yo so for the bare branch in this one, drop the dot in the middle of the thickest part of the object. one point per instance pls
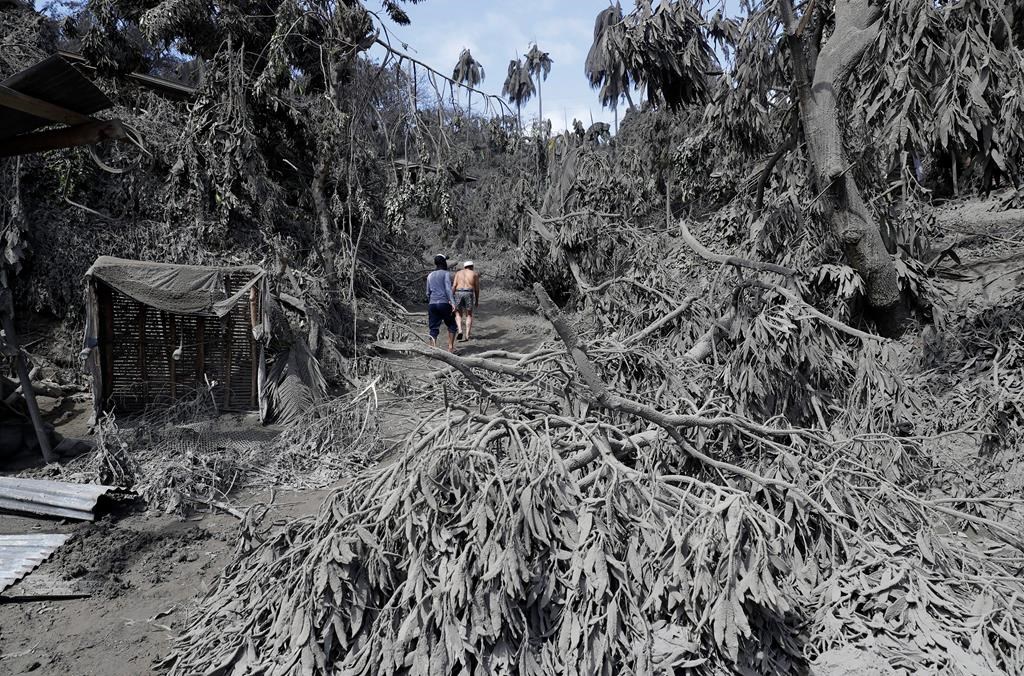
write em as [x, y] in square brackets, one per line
[735, 261]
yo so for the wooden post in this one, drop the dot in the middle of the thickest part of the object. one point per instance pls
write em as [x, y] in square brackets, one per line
[170, 357]
[7, 318]
[142, 351]
[200, 350]
[254, 320]
[106, 333]
[228, 328]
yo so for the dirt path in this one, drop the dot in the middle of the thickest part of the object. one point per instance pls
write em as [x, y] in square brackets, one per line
[507, 319]
[143, 571]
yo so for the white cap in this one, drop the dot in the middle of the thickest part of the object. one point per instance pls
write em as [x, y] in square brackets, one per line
[467, 264]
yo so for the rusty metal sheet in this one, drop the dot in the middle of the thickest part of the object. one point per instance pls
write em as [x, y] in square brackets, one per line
[55, 81]
[20, 554]
[54, 498]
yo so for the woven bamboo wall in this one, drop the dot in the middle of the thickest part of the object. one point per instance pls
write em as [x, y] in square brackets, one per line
[137, 344]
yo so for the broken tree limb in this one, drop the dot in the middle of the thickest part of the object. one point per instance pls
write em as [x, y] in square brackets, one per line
[975, 219]
[584, 458]
[705, 345]
[671, 423]
[662, 321]
[632, 282]
[702, 251]
[814, 312]
[453, 360]
[465, 365]
[735, 261]
[601, 396]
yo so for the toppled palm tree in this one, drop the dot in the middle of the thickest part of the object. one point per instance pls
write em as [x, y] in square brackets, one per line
[469, 72]
[538, 63]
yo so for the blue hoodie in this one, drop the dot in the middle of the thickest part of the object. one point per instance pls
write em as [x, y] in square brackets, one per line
[439, 287]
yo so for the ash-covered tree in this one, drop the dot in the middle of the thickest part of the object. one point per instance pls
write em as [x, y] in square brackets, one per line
[469, 72]
[845, 92]
[518, 87]
[538, 63]
[605, 64]
[285, 153]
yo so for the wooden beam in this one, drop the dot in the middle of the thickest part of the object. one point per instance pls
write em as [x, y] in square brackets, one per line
[68, 137]
[105, 296]
[254, 321]
[228, 324]
[171, 349]
[200, 351]
[11, 98]
[7, 320]
[140, 349]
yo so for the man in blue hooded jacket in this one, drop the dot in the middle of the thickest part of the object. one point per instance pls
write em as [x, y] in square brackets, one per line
[441, 302]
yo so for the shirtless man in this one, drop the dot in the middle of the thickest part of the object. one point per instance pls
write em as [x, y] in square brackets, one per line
[467, 296]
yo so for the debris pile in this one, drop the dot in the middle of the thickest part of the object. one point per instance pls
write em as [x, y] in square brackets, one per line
[563, 517]
[187, 455]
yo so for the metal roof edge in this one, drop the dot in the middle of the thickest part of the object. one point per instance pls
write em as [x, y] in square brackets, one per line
[175, 89]
[52, 498]
[21, 554]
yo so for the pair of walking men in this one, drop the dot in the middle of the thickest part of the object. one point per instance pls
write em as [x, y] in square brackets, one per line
[451, 300]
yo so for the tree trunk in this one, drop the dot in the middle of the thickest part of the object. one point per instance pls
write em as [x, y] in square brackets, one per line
[817, 81]
[540, 104]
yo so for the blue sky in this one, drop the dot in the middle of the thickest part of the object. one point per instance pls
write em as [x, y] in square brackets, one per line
[499, 30]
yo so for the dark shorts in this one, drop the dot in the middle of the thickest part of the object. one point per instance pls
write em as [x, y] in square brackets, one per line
[464, 299]
[440, 312]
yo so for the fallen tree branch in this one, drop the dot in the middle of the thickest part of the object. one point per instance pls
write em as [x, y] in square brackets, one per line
[605, 399]
[465, 365]
[654, 326]
[454, 360]
[735, 261]
[671, 423]
[703, 252]
[632, 282]
[668, 422]
[584, 458]
[975, 219]
[702, 349]
[811, 310]
[787, 145]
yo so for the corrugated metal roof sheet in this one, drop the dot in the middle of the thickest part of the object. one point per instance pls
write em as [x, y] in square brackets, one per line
[56, 498]
[20, 554]
[55, 81]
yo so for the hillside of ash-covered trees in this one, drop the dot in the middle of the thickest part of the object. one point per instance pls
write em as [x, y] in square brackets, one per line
[776, 422]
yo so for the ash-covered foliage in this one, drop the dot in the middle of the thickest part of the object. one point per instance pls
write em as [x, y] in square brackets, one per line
[718, 467]
[284, 156]
[545, 524]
